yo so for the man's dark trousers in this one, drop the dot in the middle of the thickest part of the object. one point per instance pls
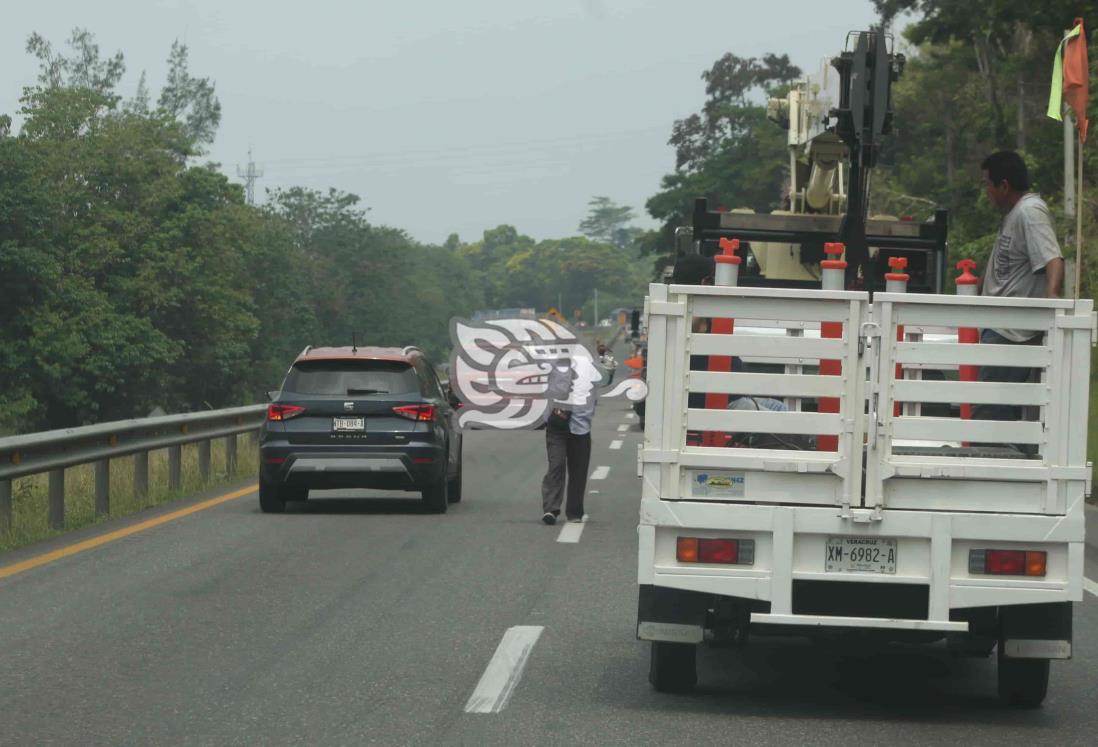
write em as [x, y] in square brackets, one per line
[569, 455]
[1003, 375]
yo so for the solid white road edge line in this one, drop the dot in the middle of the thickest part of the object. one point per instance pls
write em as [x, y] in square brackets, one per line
[624, 427]
[1090, 586]
[600, 472]
[615, 444]
[504, 670]
[570, 532]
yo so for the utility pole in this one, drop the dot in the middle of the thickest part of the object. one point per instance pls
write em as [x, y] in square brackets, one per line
[249, 175]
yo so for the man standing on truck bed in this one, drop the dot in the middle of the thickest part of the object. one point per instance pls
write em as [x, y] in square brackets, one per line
[1025, 262]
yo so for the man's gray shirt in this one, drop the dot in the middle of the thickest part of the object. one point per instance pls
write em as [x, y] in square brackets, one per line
[1025, 244]
[579, 421]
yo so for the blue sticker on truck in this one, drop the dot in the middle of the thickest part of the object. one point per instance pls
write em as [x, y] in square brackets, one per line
[720, 484]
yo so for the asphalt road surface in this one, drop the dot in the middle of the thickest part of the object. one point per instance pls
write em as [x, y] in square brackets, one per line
[364, 621]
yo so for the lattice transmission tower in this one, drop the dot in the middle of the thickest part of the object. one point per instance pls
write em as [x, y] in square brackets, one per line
[249, 175]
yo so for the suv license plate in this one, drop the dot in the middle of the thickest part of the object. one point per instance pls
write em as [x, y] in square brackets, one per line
[348, 424]
[860, 555]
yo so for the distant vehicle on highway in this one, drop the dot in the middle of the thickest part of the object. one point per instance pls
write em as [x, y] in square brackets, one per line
[360, 417]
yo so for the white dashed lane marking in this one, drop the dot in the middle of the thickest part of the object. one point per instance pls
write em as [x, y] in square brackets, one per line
[600, 472]
[570, 532]
[630, 415]
[623, 428]
[504, 671]
[615, 444]
[1090, 586]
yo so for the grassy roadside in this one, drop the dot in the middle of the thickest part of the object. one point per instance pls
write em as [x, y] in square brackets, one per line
[30, 503]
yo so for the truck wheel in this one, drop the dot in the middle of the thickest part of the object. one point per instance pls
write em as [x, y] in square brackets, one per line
[271, 499]
[674, 667]
[1023, 683]
[434, 496]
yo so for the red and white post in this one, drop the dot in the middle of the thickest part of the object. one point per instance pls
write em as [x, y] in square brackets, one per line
[896, 282]
[727, 273]
[833, 277]
[967, 284]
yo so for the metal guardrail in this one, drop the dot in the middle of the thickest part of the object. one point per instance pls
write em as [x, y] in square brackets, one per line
[53, 451]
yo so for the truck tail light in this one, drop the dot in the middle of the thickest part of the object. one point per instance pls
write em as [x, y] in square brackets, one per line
[416, 412]
[283, 412]
[1008, 562]
[708, 550]
[686, 550]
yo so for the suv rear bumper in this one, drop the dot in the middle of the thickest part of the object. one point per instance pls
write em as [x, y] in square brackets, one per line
[412, 467]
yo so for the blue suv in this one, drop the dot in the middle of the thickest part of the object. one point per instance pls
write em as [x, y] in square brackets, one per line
[360, 417]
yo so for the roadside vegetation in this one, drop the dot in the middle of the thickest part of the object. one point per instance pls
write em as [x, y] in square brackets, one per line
[134, 275]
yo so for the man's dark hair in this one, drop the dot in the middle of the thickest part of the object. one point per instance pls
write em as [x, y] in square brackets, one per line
[692, 269]
[1009, 166]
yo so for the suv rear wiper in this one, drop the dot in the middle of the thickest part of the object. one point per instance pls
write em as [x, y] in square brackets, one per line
[352, 390]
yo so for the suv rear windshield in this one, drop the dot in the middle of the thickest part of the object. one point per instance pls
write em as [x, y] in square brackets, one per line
[351, 377]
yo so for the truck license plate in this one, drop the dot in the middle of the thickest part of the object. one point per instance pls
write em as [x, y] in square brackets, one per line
[860, 555]
[348, 424]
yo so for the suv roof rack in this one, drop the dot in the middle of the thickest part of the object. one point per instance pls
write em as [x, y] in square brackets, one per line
[411, 348]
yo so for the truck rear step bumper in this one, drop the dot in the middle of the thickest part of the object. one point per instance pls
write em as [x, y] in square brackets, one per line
[827, 621]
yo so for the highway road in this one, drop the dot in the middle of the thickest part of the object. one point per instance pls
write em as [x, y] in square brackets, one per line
[365, 621]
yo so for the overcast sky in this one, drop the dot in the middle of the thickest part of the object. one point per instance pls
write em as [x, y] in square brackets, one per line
[444, 116]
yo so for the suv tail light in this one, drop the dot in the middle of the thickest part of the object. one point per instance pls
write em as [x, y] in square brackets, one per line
[727, 551]
[1008, 562]
[416, 412]
[283, 412]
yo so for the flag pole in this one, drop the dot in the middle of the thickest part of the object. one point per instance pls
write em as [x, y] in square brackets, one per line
[1079, 218]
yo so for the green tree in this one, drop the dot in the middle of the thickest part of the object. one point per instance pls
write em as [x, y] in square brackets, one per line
[608, 222]
[728, 153]
[489, 257]
[189, 100]
[83, 69]
[126, 268]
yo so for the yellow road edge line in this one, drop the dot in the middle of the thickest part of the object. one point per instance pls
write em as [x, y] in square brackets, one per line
[89, 544]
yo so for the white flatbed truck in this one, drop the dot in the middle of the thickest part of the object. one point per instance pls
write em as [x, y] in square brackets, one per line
[884, 537]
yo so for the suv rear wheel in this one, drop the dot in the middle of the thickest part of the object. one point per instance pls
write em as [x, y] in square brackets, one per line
[435, 496]
[272, 500]
[454, 488]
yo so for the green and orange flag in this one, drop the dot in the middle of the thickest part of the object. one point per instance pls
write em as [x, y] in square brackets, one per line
[1070, 79]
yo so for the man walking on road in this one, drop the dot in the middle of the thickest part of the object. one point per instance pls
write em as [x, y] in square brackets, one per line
[568, 445]
[1025, 262]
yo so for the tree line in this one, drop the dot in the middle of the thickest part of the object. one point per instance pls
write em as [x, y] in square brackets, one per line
[133, 275]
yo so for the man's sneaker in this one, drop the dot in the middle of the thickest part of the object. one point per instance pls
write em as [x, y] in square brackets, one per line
[579, 520]
[549, 518]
